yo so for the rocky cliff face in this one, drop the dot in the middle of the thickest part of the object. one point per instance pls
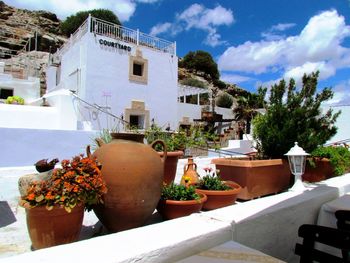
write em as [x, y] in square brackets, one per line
[33, 30]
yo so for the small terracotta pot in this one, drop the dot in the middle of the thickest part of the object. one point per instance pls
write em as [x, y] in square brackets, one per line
[54, 227]
[170, 209]
[217, 199]
[170, 165]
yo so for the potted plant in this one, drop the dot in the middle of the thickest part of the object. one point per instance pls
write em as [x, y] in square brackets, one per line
[55, 207]
[291, 116]
[179, 200]
[14, 100]
[326, 162]
[175, 143]
[219, 193]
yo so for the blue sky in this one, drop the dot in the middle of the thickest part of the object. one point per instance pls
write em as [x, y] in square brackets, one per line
[254, 42]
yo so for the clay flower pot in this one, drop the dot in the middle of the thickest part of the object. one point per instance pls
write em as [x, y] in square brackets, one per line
[170, 209]
[220, 198]
[54, 227]
[170, 165]
[322, 171]
[256, 177]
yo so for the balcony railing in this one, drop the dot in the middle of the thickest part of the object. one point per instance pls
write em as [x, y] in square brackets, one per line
[121, 33]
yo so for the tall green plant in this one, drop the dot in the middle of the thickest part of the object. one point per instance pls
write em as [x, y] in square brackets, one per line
[293, 115]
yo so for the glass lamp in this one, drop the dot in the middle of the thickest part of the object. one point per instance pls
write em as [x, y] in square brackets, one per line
[297, 160]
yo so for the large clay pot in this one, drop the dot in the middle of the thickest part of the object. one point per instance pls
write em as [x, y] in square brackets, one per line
[170, 165]
[256, 177]
[217, 199]
[322, 171]
[54, 227]
[133, 173]
[170, 209]
[190, 172]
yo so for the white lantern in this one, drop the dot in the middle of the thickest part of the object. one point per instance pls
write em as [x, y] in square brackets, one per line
[297, 160]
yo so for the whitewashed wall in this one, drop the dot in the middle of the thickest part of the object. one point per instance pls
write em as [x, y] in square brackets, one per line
[28, 89]
[24, 147]
[61, 114]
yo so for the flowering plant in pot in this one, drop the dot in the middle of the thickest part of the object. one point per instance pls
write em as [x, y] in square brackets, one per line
[55, 207]
[179, 200]
[220, 193]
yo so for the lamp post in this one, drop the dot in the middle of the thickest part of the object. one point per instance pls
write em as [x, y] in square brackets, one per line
[297, 160]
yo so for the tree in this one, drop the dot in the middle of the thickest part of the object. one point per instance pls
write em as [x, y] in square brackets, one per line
[201, 61]
[246, 109]
[294, 116]
[72, 23]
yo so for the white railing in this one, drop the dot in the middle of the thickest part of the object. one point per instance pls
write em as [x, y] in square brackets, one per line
[114, 31]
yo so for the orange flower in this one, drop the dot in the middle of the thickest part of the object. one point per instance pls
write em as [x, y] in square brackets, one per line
[31, 196]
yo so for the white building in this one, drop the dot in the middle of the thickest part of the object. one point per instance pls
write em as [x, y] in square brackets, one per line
[119, 70]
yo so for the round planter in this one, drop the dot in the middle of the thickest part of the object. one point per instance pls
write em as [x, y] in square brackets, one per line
[54, 227]
[170, 165]
[322, 171]
[170, 209]
[217, 199]
[133, 173]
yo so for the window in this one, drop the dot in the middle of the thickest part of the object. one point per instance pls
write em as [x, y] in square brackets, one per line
[4, 93]
[138, 68]
[137, 121]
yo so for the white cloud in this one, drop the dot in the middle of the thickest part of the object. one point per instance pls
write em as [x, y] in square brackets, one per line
[341, 94]
[199, 17]
[274, 33]
[318, 46]
[160, 28]
[124, 9]
[234, 78]
[326, 70]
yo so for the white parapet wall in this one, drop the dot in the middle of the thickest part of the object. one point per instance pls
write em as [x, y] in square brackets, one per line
[22, 147]
[269, 224]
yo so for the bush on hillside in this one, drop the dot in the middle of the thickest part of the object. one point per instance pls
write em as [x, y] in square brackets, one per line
[193, 83]
[73, 22]
[294, 116]
[201, 61]
[224, 100]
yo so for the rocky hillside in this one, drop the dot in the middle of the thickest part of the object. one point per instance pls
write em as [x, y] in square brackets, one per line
[30, 30]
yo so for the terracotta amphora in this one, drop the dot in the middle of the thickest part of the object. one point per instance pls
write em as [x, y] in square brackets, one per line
[190, 176]
[133, 173]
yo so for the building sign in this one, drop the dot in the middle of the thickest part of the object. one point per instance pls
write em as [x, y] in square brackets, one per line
[114, 45]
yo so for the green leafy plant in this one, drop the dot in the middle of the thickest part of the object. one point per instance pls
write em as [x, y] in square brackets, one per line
[180, 140]
[14, 100]
[212, 181]
[294, 116]
[78, 181]
[224, 100]
[179, 192]
[339, 157]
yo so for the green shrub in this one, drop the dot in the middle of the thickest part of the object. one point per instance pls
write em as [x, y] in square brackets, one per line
[73, 22]
[201, 61]
[179, 192]
[193, 83]
[224, 100]
[338, 156]
[294, 116]
[14, 100]
[212, 182]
